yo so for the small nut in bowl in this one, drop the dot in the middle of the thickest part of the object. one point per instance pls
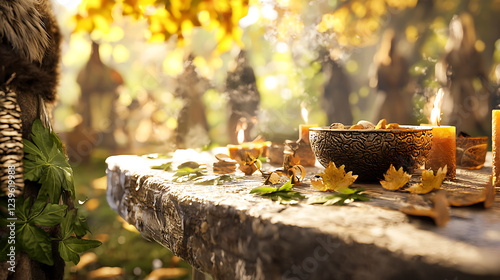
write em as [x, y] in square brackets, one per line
[368, 153]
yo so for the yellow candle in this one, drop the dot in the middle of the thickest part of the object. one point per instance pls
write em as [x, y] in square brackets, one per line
[443, 151]
[496, 145]
[304, 132]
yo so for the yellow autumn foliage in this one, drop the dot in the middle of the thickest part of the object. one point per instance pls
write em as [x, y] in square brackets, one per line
[395, 179]
[176, 17]
[334, 179]
[429, 181]
[356, 22]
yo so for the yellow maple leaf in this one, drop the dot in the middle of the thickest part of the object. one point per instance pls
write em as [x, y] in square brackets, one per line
[334, 179]
[429, 181]
[394, 180]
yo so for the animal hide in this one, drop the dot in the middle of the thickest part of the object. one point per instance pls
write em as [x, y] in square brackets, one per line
[29, 66]
[29, 49]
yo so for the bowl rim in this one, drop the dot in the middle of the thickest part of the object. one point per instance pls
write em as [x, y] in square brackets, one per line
[404, 129]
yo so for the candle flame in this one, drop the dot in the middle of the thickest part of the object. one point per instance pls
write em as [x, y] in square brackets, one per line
[304, 113]
[241, 136]
[436, 110]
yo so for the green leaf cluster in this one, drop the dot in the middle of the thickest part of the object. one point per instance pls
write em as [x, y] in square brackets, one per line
[189, 171]
[283, 194]
[213, 180]
[165, 166]
[344, 196]
[37, 243]
[45, 162]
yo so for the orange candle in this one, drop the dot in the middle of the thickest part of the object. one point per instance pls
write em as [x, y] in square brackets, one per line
[443, 150]
[233, 151]
[304, 132]
[496, 145]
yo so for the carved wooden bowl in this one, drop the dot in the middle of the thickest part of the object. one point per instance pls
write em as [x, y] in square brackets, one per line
[368, 153]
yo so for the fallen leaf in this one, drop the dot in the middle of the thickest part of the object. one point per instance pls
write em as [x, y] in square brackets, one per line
[394, 180]
[223, 168]
[224, 164]
[334, 179]
[461, 199]
[273, 178]
[282, 195]
[429, 181]
[165, 166]
[343, 197]
[248, 169]
[248, 164]
[189, 164]
[440, 211]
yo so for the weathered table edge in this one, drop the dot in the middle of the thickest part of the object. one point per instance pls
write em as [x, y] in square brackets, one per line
[260, 256]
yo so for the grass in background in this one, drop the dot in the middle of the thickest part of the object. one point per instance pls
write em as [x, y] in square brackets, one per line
[123, 246]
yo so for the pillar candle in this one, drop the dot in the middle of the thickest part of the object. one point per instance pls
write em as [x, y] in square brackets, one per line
[304, 132]
[443, 151]
[496, 145]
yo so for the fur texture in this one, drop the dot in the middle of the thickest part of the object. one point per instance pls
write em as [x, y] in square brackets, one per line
[29, 48]
[21, 24]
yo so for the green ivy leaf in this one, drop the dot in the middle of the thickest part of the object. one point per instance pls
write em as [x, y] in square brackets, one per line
[213, 180]
[51, 215]
[71, 247]
[45, 162]
[165, 166]
[38, 206]
[344, 196]
[34, 161]
[36, 243]
[67, 254]
[67, 225]
[287, 186]
[285, 197]
[23, 209]
[264, 190]
[80, 226]
[187, 174]
[283, 194]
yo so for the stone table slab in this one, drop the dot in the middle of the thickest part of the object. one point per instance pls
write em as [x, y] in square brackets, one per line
[228, 233]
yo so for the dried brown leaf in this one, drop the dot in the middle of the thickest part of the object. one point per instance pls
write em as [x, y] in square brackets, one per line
[273, 178]
[460, 199]
[440, 211]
